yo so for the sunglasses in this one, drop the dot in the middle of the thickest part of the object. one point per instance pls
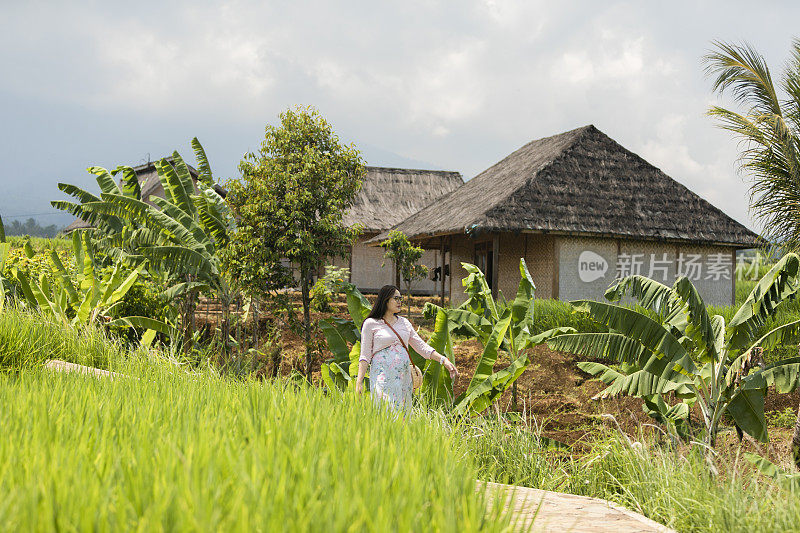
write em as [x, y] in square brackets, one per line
[398, 298]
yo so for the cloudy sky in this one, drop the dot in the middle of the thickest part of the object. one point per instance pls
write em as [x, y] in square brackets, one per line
[451, 85]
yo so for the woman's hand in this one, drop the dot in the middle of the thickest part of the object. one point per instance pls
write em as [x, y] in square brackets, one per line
[450, 368]
[359, 386]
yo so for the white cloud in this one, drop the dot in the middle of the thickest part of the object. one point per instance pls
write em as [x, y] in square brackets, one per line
[457, 84]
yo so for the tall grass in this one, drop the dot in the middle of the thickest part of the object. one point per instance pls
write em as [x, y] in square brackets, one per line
[163, 450]
[29, 339]
[672, 487]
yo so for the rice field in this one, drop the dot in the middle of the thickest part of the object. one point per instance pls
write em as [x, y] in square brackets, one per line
[167, 450]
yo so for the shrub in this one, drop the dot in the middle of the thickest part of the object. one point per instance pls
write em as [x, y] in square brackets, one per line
[327, 286]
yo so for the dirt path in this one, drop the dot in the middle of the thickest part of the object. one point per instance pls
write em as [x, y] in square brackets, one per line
[542, 510]
[64, 366]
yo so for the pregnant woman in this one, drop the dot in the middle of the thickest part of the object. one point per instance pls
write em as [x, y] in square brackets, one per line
[384, 338]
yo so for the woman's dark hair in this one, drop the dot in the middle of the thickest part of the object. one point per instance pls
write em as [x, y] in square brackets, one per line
[381, 303]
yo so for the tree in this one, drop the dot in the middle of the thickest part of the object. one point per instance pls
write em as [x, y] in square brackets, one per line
[405, 256]
[680, 348]
[32, 228]
[289, 205]
[769, 128]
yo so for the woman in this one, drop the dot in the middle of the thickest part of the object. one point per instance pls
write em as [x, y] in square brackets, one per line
[385, 355]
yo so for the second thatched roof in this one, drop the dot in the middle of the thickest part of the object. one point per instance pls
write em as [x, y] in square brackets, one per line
[580, 182]
[390, 195]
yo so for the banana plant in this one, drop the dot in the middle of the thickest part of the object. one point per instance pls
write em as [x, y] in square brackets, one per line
[502, 327]
[177, 239]
[681, 349]
[87, 297]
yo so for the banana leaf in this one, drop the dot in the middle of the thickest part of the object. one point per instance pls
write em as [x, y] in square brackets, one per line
[436, 383]
[698, 327]
[769, 469]
[336, 342]
[174, 188]
[357, 305]
[203, 168]
[130, 182]
[146, 323]
[482, 383]
[747, 410]
[639, 383]
[777, 285]
[480, 295]
[104, 180]
[643, 329]
[650, 294]
[186, 220]
[620, 348]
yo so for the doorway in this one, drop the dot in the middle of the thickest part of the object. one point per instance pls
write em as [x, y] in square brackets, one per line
[484, 259]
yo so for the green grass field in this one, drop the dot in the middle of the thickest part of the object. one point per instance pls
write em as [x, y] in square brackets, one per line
[167, 450]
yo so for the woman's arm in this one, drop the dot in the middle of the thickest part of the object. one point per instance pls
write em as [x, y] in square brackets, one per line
[362, 371]
[428, 352]
[364, 359]
[367, 332]
[422, 347]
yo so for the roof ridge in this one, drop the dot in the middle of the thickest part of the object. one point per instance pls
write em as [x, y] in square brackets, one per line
[409, 170]
[578, 133]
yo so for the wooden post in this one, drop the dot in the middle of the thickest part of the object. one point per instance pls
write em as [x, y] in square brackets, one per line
[452, 268]
[495, 264]
[441, 249]
[556, 267]
[733, 277]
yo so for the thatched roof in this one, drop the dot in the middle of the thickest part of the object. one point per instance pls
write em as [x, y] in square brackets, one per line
[149, 183]
[390, 195]
[583, 183]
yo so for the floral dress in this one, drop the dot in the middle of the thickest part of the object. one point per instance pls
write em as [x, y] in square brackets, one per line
[390, 371]
[390, 378]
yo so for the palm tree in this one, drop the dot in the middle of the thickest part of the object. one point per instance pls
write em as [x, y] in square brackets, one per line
[769, 128]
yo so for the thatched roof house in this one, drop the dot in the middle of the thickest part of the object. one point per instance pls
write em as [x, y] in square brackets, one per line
[387, 197]
[150, 186]
[540, 201]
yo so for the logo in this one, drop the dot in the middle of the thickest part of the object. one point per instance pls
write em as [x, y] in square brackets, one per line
[591, 266]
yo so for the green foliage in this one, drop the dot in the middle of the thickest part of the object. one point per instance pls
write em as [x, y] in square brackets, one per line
[405, 257]
[84, 294]
[782, 419]
[769, 130]
[289, 204]
[179, 238]
[790, 481]
[326, 287]
[702, 358]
